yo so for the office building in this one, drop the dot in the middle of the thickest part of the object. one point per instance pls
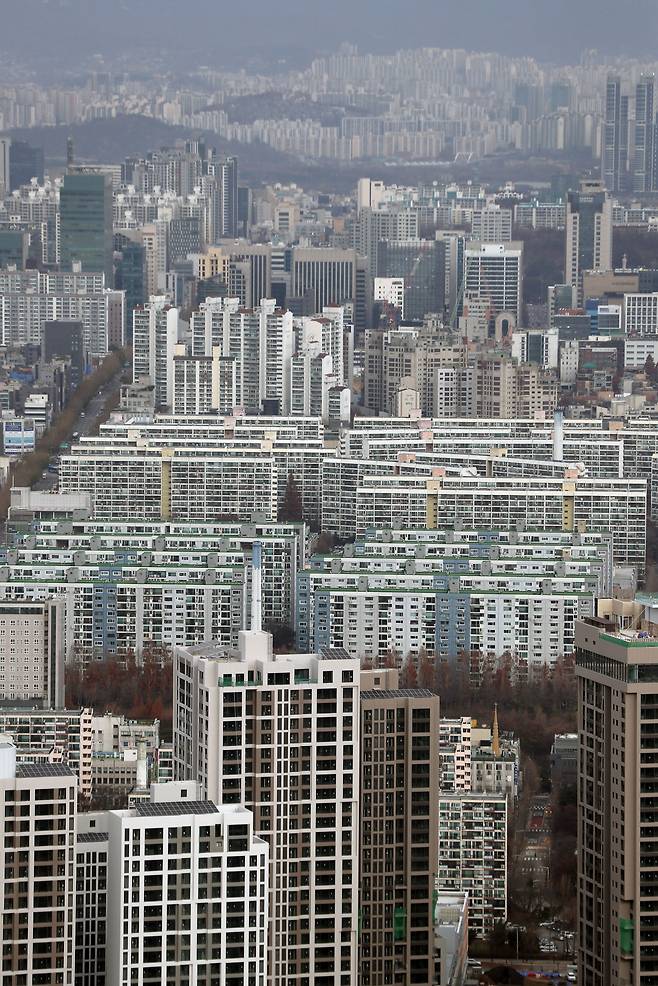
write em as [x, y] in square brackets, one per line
[25, 163]
[399, 830]
[588, 233]
[225, 171]
[614, 156]
[494, 272]
[14, 245]
[85, 206]
[65, 338]
[330, 274]
[616, 670]
[37, 856]
[641, 314]
[421, 265]
[279, 733]
[32, 652]
[473, 855]
[155, 335]
[643, 172]
[197, 909]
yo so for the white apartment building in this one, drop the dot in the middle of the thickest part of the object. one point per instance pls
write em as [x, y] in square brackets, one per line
[378, 613]
[163, 485]
[572, 504]
[37, 857]
[259, 340]
[155, 335]
[473, 855]
[455, 754]
[30, 298]
[279, 733]
[186, 891]
[52, 736]
[311, 378]
[173, 549]
[137, 608]
[391, 291]
[32, 652]
[494, 271]
[641, 314]
[203, 384]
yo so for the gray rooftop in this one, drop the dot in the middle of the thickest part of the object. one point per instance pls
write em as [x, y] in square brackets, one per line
[391, 693]
[155, 808]
[43, 770]
[92, 837]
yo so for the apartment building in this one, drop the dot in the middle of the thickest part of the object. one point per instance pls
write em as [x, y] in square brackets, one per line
[573, 504]
[495, 387]
[30, 298]
[372, 615]
[32, 651]
[473, 855]
[37, 857]
[196, 909]
[616, 670]
[154, 339]
[406, 358]
[492, 224]
[153, 484]
[52, 736]
[202, 384]
[455, 754]
[399, 831]
[280, 734]
[172, 548]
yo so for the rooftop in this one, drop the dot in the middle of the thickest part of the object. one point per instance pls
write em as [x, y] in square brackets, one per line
[151, 808]
[392, 693]
[43, 770]
[92, 837]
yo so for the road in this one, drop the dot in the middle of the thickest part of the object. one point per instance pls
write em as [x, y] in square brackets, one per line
[84, 426]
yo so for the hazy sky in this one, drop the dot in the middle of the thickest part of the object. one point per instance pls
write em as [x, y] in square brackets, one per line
[554, 30]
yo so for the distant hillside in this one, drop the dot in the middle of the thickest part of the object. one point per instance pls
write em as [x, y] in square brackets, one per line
[110, 141]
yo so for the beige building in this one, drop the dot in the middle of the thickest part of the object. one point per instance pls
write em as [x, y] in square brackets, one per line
[617, 673]
[37, 861]
[495, 387]
[399, 830]
[406, 359]
[32, 652]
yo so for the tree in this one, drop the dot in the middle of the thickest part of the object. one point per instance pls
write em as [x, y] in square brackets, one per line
[291, 507]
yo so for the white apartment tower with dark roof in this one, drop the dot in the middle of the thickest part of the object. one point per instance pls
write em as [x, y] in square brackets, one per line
[279, 733]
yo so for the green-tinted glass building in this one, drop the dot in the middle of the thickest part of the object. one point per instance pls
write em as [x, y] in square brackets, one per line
[85, 206]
